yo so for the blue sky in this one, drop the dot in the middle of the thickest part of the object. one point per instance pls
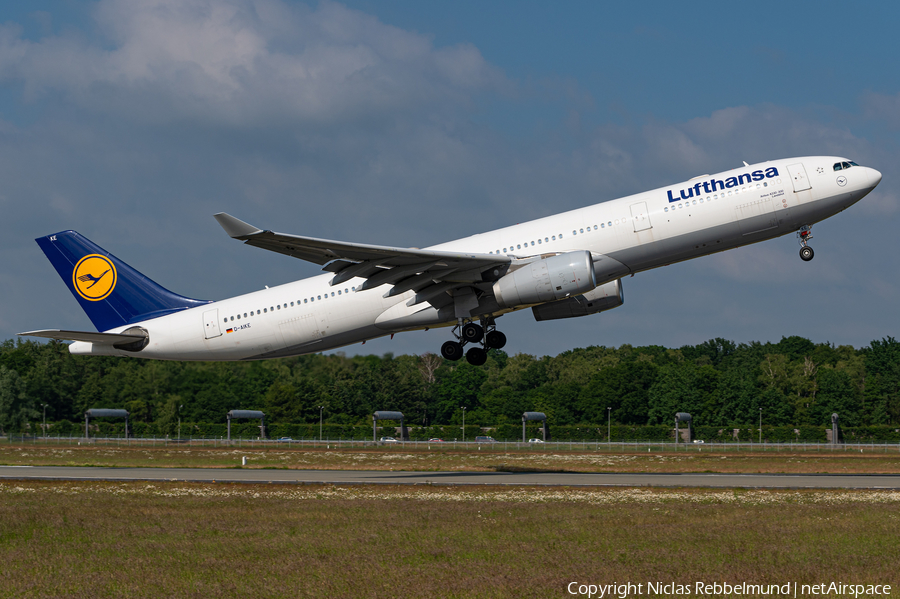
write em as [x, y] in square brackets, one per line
[411, 123]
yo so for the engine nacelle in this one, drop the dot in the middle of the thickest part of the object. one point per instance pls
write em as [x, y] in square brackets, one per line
[541, 281]
[604, 297]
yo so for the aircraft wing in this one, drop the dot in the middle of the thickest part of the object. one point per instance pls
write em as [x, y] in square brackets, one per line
[96, 338]
[432, 275]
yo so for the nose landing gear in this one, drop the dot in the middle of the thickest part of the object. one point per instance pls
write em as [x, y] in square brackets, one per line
[471, 332]
[804, 235]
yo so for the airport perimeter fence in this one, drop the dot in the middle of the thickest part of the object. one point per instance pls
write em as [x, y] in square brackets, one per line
[458, 445]
[617, 433]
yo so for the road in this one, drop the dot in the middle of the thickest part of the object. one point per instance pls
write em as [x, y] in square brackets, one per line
[369, 477]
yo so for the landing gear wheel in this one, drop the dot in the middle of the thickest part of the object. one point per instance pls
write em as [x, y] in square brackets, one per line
[806, 253]
[476, 356]
[472, 333]
[452, 350]
[495, 340]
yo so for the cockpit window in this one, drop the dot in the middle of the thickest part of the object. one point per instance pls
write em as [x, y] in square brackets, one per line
[843, 165]
[853, 163]
[838, 166]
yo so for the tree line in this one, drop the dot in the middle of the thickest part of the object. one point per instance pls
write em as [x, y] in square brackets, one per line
[795, 382]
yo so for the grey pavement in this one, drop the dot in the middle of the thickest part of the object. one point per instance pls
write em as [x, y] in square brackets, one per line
[368, 477]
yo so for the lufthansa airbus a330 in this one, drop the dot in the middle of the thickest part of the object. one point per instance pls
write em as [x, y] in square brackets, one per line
[562, 266]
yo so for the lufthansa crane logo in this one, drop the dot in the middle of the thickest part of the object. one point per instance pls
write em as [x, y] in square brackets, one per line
[94, 277]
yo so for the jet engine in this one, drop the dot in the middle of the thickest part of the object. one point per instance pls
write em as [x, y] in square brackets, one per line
[547, 280]
[604, 297]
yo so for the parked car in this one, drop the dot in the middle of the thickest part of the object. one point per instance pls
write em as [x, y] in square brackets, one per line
[484, 440]
[435, 440]
[388, 440]
[283, 439]
[535, 440]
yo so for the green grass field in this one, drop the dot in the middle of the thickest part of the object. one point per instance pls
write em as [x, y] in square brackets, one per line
[220, 540]
[445, 458]
[184, 540]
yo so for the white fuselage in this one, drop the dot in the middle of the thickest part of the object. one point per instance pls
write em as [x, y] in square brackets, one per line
[707, 214]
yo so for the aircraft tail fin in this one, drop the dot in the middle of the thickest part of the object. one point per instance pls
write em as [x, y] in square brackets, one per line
[110, 292]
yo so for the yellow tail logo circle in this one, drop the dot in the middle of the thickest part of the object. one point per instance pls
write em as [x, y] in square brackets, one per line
[94, 277]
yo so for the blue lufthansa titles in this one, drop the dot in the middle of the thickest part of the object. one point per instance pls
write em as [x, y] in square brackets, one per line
[718, 185]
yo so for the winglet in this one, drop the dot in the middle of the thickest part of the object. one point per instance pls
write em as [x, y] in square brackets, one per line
[235, 227]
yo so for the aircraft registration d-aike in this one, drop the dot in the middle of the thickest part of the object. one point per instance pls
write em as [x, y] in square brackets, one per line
[562, 266]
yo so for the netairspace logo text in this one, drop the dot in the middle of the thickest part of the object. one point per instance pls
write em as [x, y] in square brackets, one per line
[790, 589]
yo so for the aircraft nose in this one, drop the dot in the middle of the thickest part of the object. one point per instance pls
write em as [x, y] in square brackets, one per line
[874, 177]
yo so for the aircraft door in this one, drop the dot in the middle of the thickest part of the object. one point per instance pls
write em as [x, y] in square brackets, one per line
[798, 177]
[299, 330]
[211, 324]
[640, 217]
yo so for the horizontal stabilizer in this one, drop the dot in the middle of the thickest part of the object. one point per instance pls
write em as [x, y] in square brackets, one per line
[97, 338]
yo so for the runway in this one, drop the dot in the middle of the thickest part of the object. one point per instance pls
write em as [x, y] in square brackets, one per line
[380, 477]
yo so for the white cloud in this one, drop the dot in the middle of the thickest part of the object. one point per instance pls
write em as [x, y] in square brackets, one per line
[325, 121]
[245, 62]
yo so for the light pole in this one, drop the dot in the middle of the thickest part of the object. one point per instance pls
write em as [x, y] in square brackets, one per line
[320, 422]
[760, 426]
[608, 425]
[463, 408]
[45, 420]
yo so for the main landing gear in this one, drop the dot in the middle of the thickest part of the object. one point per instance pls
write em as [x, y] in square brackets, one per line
[484, 334]
[804, 235]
